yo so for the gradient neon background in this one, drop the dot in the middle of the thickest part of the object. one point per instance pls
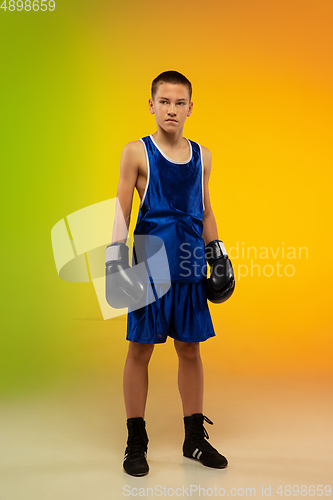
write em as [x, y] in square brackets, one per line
[74, 89]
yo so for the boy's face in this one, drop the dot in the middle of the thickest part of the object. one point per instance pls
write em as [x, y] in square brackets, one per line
[171, 106]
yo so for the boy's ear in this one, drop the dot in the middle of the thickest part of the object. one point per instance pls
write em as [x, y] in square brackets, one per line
[151, 106]
[190, 109]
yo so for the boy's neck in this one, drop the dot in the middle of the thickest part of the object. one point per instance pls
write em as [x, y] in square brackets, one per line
[166, 139]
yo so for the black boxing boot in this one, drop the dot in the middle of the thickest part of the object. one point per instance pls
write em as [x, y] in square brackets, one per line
[197, 447]
[135, 459]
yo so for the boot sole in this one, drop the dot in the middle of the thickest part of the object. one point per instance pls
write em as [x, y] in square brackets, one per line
[136, 475]
[209, 466]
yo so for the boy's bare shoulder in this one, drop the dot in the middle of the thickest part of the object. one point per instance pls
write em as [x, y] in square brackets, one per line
[134, 147]
[205, 151]
[133, 153]
[207, 158]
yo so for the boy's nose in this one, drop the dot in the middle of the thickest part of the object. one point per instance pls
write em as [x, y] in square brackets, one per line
[172, 109]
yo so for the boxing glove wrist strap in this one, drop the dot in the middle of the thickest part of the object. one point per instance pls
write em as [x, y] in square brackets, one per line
[117, 252]
[215, 250]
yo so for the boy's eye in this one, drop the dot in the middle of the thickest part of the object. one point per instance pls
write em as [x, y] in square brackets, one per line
[182, 103]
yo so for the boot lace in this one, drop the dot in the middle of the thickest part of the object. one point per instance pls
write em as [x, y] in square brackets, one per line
[200, 432]
[137, 445]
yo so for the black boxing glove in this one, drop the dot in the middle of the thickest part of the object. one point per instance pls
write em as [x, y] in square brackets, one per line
[123, 288]
[221, 284]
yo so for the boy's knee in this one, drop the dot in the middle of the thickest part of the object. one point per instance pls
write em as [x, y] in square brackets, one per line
[140, 352]
[188, 350]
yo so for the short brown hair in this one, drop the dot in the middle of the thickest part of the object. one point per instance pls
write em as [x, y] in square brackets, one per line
[170, 77]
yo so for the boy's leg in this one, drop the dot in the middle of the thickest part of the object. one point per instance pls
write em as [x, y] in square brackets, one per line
[135, 380]
[135, 395]
[190, 376]
[190, 382]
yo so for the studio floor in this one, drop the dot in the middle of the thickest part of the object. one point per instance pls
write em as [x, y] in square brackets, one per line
[68, 444]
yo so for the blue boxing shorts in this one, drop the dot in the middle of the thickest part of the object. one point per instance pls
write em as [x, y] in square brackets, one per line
[182, 313]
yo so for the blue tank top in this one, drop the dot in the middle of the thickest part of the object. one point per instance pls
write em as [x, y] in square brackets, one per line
[172, 208]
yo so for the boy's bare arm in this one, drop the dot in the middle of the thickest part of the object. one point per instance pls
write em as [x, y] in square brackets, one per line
[129, 169]
[209, 223]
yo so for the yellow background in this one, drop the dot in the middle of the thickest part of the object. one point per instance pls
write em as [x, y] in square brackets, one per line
[74, 89]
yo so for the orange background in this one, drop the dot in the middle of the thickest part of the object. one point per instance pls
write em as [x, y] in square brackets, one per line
[76, 90]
